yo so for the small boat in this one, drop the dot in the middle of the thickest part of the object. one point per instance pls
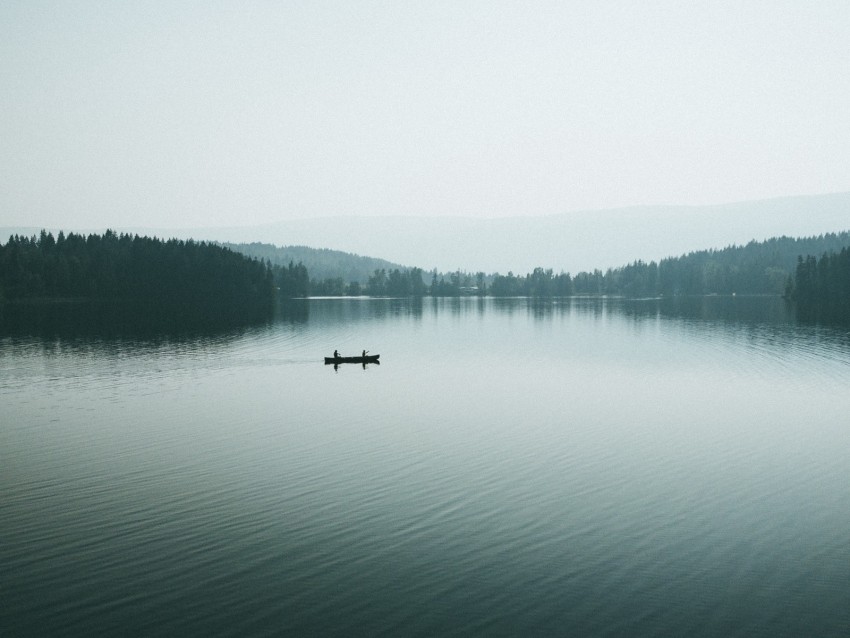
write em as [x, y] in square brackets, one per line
[369, 358]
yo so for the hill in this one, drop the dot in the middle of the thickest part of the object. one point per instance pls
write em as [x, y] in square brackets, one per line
[755, 268]
[572, 241]
[321, 263]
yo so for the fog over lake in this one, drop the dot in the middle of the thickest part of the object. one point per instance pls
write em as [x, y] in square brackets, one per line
[579, 466]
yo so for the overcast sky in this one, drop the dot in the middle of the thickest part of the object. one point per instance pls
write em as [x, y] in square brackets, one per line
[221, 113]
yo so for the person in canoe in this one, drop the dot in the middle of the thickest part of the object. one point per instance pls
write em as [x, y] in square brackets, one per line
[336, 354]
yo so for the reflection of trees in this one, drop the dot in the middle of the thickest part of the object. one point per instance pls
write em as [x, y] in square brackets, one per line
[762, 317]
[736, 309]
[293, 311]
[348, 310]
[752, 309]
[109, 321]
[718, 309]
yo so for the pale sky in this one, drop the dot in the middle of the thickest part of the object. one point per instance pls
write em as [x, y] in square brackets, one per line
[239, 113]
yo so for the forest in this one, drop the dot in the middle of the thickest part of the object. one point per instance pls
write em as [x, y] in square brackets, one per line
[180, 278]
[757, 268]
[821, 287]
[173, 279]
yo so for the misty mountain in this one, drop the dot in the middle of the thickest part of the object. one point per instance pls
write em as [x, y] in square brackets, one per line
[575, 241]
[321, 263]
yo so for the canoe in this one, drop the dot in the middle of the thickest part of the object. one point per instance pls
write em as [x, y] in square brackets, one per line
[369, 358]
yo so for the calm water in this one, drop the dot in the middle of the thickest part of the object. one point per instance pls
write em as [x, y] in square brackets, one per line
[582, 467]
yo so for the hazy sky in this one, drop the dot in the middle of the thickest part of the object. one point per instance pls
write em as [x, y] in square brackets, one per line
[218, 113]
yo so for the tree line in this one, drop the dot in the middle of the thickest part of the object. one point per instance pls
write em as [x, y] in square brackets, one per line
[210, 278]
[821, 287]
[172, 279]
[755, 268]
[395, 282]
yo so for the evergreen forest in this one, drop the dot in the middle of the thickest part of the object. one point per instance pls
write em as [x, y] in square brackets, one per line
[758, 268]
[182, 279]
[174, 279]
[821, 287]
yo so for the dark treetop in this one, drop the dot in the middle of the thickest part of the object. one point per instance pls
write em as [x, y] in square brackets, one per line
[174, 279]
[821, 287]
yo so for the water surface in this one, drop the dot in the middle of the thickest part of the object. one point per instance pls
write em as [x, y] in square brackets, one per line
[575, 467]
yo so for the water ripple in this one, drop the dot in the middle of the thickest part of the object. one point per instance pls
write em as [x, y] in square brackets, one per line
[572, 469]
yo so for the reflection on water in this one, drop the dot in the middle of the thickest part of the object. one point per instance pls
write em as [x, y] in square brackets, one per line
[772, 317]
[110, 320]
[712, 308]
[582, 466]
[742, 310]
[310, 329]
[292, 311]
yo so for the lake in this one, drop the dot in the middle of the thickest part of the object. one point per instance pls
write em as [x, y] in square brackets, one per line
[574, 467]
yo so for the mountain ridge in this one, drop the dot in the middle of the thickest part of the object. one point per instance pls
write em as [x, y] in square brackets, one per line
[570, 241]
